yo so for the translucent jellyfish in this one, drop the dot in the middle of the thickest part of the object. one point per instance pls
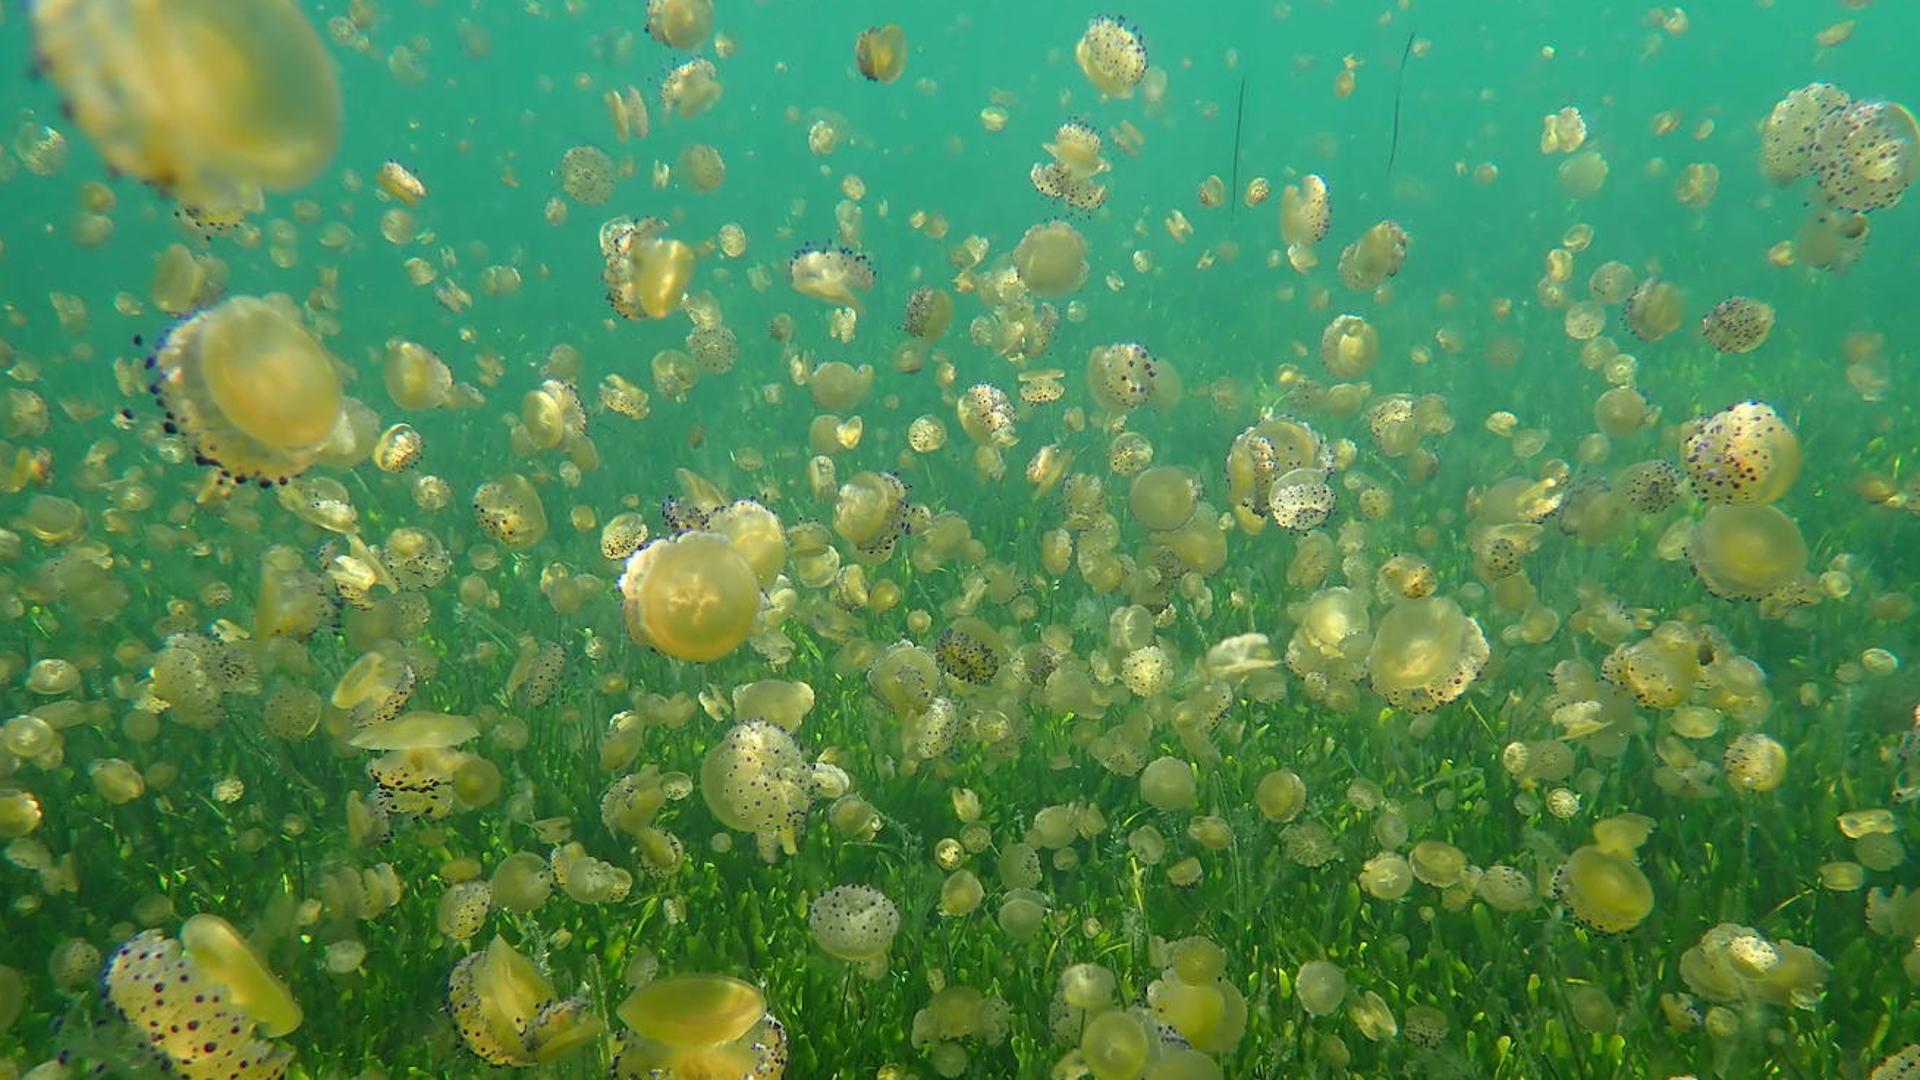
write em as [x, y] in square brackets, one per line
[1654, 309]
[1118, 1044]
[416, 378]
[693, 596]
[646, 273]
[1076, 151]
[1738, 964]
[986, 415]
[880, 52]
[208, 101]
[509, 509]
[1738, 324]
[1426, 653]
[1301, 500]
[970, 650]
[1349, 346]
[1786, 137]
[1122, 375]
[1163, 498]
[1052, 259]
[702, 167]
[257, 395]
[755, 533]
[691, 1027]
[833, 274]
[1604, 891]
[679, 24]
[398, 448]
[1866, 154]
[1377, 255]
[929, 312]
[690, 88]
[1321, 986]
[587, 175]
[463, 908]
[1306, 211]
[854, 922]
[1744, 454]
[204, 1004]
[508, 1014]
[1112, 55]
[755, 780]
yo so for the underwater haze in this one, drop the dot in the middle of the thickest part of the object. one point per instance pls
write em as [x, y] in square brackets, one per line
[740, 539]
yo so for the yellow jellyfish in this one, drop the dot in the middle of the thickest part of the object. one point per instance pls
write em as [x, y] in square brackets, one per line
[208, 100]
[1377, 255]
[587, 175]
[832, 274]
[1786, 137]
[679, 24]
[1866, 154]
[1738, 324]
[398, 181]
[854, 922]
[1052, 259]
[699, 1026]
[1743, 454]
[1426, 653]
[509, 509]
[970, 650]
[1349, 346]
[1122, 375]
[1113, 55]
[881, 52]
[691, 88]
[693, 596]
[1604, 891]
[646, 273]
[1746, 552]
[754, 779]
[1654, 309]
[254, 392]
[508, 1014]
[204, 1004]
[929, 313]
[702, 167]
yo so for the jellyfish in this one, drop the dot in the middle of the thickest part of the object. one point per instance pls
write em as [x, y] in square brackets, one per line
[1650, 487]
[1426, 653]
[508, 1014]
[1301, 500]
[755, 780]
[1787, 135]
[646, 273]
[880, 52]
[254, 392]
[1654, 309]
[1744, 454]
[1076, 151]
[1606, 892]
[1122, 375]
[508, 508]
[1866, 154]
[970, 650]
[1377, 255]
[1163, 498]
[832, 274]
[1349, 346]
[587, 175]
[928, 314]
[986, 415]
[1052, 259]
[1738, 324]
[695, 1026]
[204, 1003]
[210, 102]
[1112, 55]
[693, 596]
[855, 923]
[399, 181]
[679, 24]
[690, 88]
[702, 167]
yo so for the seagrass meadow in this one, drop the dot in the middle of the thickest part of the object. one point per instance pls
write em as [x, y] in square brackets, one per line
[741, 539]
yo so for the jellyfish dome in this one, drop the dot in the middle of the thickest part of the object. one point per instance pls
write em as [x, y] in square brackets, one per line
[1866, 154]
[1738, 324]
[255, 393]
[1787, 136]
[507, 1012]
[1113, 55]
[1052, 259]
[833, 274]
[208, 100]
[680, 24]
[1744, 454]
[1654, 309]
[204, 1003]
[1604, 891]
[754, 779]
[700, 1026]
[880, 52]
[853, 922]
[693, 596]
[1426, 653]
[1747, 552]
[1122, 375]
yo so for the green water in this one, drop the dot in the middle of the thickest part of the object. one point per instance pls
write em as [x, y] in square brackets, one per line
[118, 557]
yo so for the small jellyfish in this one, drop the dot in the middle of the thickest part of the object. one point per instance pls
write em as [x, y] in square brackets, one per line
[1654, 309]
[754, 779]
[702, 167]
[1738, 324]
[1349, 346]
[508, 1014]
[1604, 891]
[690, 88]
[1743, 454]
[1052, 259]
[1787, 135]
[587, 175]
[646, 273]
[970, 650]
[929, 313]
[1122, 375]
[832, 274]
[881, 52]
[854, 922]
[1866, 154]
[508, 508]
[699, 1025]
[398, 181]
[1301, 500]
[679, 24]
[210, 102]
[1112, 55]
[398, 449]
[254, 391]
[693, 596]
[1377, 255]
[1306, 211]
[1650, 487]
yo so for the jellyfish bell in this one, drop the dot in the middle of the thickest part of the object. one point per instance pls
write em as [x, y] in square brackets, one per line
[1787, 135]
[1122, 375]
[679, 24]
[880, 52]
[1654, 309]
[853, 922]
[208, 1008]
[646, 273]
[1377, 255]
[1112, 55]
[256, 394]
[693, 596]
[1743, 454]
[1052, 259]
[1076, 151]
[1604, 891]
[833, 274]
[1301, 500]
[690, 88]
[1738, 324]
[1426, 653]
[700, 1025]
[1866, 154]
[507, 1013]
[1747, 552]
[1306, 211]
[207, 100]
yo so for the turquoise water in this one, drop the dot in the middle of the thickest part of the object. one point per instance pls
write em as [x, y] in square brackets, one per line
[124, 564]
